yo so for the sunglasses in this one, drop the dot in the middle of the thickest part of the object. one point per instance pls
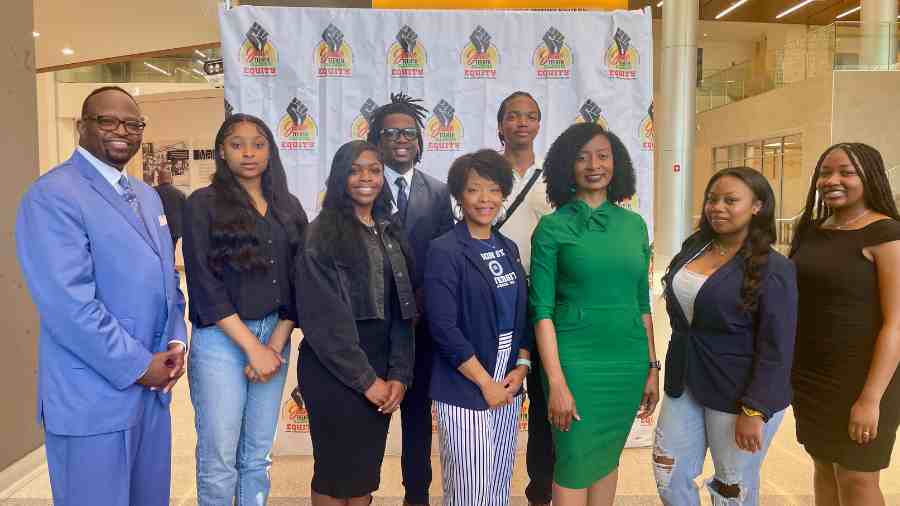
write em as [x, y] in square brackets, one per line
[393, 134]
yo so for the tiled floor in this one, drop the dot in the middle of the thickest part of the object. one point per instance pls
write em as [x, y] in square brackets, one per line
[786, 473]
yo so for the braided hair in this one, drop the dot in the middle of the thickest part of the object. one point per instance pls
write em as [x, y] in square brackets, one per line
[401, 103]
[758, 243]
[877, 194]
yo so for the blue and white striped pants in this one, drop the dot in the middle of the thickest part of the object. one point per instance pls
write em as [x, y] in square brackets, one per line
[478, 448]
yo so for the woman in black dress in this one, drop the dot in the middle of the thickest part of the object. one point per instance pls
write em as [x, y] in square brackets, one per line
[356, 308]
[846, 390]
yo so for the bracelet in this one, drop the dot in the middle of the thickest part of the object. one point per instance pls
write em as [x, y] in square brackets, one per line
[525, 362]
[752, 412]
[655, 364]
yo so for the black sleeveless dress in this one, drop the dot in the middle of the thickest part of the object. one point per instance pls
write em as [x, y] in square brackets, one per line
[838, 324]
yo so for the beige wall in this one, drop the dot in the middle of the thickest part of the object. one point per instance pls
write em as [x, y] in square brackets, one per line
[867, 109]
[19, 434]
[800, 108]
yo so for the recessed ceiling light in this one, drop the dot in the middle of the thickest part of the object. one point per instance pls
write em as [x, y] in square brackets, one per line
[659, 4]
[200, 54]
[36, 34]
[68, 51]
[154, 67]
[731, 8]
[800, 5]
[847, 13]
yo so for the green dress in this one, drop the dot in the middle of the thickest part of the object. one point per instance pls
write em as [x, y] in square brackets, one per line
[589, 274]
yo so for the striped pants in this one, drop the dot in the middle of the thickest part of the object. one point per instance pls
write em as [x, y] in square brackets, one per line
[478, 447]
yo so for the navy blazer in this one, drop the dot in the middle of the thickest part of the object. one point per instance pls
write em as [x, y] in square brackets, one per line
[427, 217]
[726, 357]
[462, 314]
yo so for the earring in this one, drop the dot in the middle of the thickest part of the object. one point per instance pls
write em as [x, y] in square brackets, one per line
[500, 215]
[573, 189]
[457, 212]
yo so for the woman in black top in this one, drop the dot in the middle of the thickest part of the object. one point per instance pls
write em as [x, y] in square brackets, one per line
[241, 234]
[356, 305]
[846, 390]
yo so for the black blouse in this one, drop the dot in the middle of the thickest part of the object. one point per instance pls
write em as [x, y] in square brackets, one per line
[251, 294]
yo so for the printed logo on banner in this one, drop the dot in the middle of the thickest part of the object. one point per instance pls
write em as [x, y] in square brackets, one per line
[553, 58]
[646, 132]
[359, 130]
[590, 112]
[622, 58]
[406, 57]
[480, 57]
[258, 56]
[444, 130]
[295, 417]
[333, 57]
[297, 129]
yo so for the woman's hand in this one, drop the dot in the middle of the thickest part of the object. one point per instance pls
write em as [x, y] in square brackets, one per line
[495, 394]
[863, 426]
[561, 407]
[264, 362]
[396, 392]
[378, 393]
[748, 432]
[513, 381]
[651, 395]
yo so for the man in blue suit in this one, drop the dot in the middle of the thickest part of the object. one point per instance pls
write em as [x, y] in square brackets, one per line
[422, 206]
[98, 258]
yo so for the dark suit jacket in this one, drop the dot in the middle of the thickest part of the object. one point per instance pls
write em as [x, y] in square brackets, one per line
[726, 357]
[427, 217]
[462, 314]
[173, 205]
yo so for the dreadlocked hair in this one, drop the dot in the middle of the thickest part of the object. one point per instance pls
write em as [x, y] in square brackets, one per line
[760, 236]
[401, 103]
[869, 165]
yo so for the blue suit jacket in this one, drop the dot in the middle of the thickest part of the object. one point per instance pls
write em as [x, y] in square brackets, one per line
[427, 217]
[725, 356]
[462, 314]
[107, 292]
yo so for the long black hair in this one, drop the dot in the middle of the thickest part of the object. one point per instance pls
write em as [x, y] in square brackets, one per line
[401, 103]
[760, 237]
[876, 189]
[233, 229]
[338, 229]
[559, 166]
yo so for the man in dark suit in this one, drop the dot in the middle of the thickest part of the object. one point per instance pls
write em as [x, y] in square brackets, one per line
[97, 255]
[422, 206]
[173, 202]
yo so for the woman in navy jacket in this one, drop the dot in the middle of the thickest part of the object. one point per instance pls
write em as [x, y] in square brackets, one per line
[732, 303]
[476, 300]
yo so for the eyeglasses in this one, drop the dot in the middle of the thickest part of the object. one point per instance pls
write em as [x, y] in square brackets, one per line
[393, 134]
[111, 123]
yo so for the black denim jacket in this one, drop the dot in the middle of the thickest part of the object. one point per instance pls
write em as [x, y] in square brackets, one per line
[336, 287]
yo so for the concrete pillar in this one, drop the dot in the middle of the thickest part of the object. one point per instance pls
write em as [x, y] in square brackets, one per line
[676, 131]
[19, 434]
[879, 32]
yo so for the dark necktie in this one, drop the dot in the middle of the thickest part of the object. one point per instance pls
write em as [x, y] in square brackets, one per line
[131, 197]
[402, 198]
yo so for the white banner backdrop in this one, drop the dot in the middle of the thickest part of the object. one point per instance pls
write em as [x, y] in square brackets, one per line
[315, 75]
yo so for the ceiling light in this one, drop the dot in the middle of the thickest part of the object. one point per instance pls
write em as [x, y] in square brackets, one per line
[36, 34]
[659, 4]
[198, 72]
[800, 5]
[154, 67]
[200, 54]
[847, 13]
[68, 51]
[729, 9]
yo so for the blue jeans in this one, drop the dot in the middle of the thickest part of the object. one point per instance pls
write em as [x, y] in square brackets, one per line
[235, 419]
[684, 432]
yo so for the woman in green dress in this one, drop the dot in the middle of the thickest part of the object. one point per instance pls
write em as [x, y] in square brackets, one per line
[590, 299]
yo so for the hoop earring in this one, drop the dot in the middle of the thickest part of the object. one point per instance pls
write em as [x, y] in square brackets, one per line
[501, 216]
[457, 211]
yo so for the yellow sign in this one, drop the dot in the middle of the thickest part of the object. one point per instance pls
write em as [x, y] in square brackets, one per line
[602, 5]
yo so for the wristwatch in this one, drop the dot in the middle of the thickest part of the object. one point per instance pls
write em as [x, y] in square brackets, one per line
[655, 364]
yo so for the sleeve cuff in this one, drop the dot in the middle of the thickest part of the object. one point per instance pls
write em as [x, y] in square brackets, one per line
[178, 341]
[212, 314]
[750, 403]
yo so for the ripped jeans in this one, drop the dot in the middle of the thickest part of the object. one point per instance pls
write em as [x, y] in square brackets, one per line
[684, 431]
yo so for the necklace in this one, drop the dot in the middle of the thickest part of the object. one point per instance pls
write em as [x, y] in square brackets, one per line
[842, 226]
[721, 250]
[367, 221]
